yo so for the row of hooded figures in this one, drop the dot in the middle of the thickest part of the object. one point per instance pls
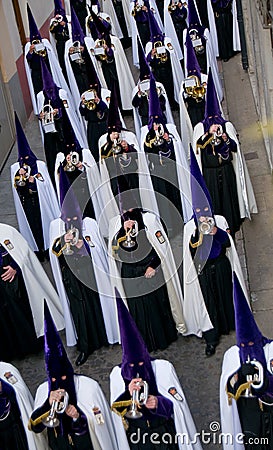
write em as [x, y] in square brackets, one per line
[103, 185]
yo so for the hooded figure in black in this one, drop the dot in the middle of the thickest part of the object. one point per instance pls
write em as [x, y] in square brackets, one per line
[60, 31]
[78, 275]
[208, 246]
[157, 412]
[196, 32]
[216, 149]
[246, 388]
[224, 26]
[69, 427]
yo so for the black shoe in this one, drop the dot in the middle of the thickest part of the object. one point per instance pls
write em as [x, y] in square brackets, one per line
[82, 358]
[210, 349]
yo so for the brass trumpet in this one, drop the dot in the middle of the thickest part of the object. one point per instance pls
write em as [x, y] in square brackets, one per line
[99, 49]
[160, 51]
[51, 420]
[72, 162]
[39, 48]
[138, 7]
[256, 380]
[130, 234]
[194, 89]
[196, 41]
[217, 135]
[75, 239]
[47, 115]
[206, 226]
[75, 53]
[139, 398]
[89, 99]
[58, 19]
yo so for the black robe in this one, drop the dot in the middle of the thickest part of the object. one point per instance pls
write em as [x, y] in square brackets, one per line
[224, 26]
[61, 35]
[81, 288]
[12, 432]
[215, 279]
[162, 71]
[256, 419]
[220, 179]
[78, 178]
[96, 125]
[147, 298]
[16, 322]
[164, 178]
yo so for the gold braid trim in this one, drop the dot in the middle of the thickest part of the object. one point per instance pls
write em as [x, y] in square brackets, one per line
[124, 403]
[239, 391]
[56, 244]
[208, 141]
[150, 143]
[198, 243]
[33, 423]
[121, 239]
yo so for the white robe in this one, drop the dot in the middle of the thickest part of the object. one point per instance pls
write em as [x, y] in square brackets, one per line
[166, 378]
[25, 402]
[177, 72]
[108, 8]
[101, 270]
[230, 420]
[212, 27]
[164, 251]
[169, 30]
[246, 197]
[36, 281]
[137, 118]
[89, 396]
[196, 316]
[182, 169]
[56, 72]
[49, 207]
[115, 28]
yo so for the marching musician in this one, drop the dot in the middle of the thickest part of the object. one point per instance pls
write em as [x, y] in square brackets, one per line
[59, 30]
[79, 264]
[34, 196]
[94, 109]
[38, 49]
[246, 384]
[223, 165]
[164, 61]
[208, 260]
[164, 410]
[71, 408]
[16, 405]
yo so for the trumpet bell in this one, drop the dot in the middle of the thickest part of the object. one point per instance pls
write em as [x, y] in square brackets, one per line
[207, 226]
[133, 414]
[51, 422]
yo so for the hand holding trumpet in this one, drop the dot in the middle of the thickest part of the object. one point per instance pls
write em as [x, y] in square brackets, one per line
[134, 385]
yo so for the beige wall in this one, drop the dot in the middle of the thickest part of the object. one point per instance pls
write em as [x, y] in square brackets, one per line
[260, 71]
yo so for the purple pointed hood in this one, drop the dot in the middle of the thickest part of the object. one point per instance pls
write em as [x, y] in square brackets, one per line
[201, 199]
[76, 29]
[25, 154]
[33, 29]
[155, 32]
[70, 209]
[114, 122]
[213, 114]
[155, 112]
[56, 360]
[144, 68]
[193, 67]
[50, 89]
[134, 350]
[102, 26]
[71, 143]
[249, 338]
[193, 19]
[59, 9]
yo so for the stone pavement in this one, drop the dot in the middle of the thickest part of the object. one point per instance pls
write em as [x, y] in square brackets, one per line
[199, 375]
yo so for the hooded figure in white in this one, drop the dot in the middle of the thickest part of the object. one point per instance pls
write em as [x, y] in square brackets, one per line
[84, 417]
[164, 410]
